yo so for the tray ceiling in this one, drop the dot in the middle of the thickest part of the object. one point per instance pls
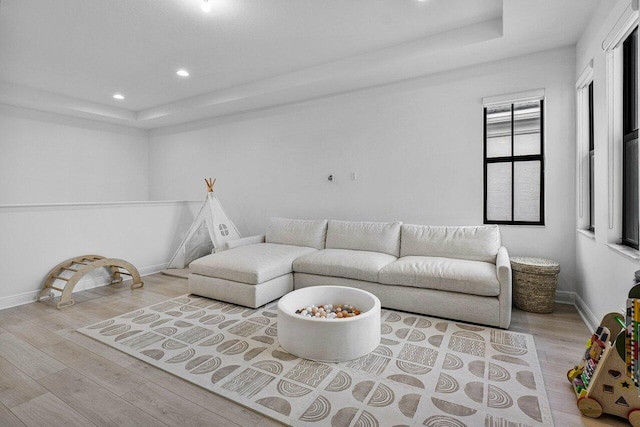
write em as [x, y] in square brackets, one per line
[71, 56]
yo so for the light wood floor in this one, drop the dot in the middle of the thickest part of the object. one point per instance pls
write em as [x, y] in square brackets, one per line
[50, 375]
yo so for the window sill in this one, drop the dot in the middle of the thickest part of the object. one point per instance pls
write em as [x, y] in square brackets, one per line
[590, 234]
[517, 225]
[625, 250]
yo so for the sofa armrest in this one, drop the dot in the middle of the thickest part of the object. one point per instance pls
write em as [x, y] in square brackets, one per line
[243, 241]
[503, 271]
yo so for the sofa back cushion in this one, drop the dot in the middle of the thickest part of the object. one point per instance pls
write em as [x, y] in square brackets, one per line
[365, 236]
[297, 232]
[476, 243]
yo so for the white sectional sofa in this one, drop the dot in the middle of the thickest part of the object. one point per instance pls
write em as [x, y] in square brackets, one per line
[460, 273]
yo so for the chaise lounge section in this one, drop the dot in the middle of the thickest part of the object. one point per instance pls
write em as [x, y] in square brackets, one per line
[252, 272]
[460, 273]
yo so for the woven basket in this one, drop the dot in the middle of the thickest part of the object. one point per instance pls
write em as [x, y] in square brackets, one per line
[534, 283]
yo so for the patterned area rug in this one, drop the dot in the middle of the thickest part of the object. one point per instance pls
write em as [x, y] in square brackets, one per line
[426, 371]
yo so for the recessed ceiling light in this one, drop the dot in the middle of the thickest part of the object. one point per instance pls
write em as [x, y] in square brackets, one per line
[205, 6]
[182, 73]
[118, 96]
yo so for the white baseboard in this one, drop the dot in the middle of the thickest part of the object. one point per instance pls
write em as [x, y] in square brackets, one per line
[587, 315]
[589, 319]
[564, 297]
[147, 271]
[95, 281]
[19, 299]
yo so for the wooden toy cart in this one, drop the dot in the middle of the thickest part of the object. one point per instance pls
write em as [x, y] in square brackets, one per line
[609, 389]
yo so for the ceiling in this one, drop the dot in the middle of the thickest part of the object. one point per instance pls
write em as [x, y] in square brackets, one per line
[71, 56]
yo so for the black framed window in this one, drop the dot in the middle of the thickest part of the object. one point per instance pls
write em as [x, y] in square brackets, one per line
[630, 218]
[592, 220]
[514, 163]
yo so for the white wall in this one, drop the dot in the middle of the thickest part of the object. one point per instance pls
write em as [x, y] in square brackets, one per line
[37, 238]
[46, 158]
[604, 276]
[416, 147]
[50, 159]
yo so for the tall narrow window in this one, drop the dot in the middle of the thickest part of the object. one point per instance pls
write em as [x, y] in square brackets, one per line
[513, 163]
[630, 218]
[592, 220]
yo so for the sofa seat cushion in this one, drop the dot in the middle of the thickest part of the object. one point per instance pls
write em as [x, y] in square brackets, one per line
[445, 274]
[359, 265]
[252, 264]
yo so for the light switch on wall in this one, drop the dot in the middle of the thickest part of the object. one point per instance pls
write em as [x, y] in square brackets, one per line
[354, 176]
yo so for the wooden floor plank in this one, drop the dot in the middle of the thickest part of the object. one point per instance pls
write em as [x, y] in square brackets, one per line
[126, 305]
[96, 368]
[26, 357]
[53, 322]
[172, 409]
[8, 418]
[95, 402]
[87, 313]
[562, 419]
[137, 299]
[33, 310]
[110, 290]
[268, 422]
[10, 317]
[16, 387]
[35, 335]
[79, 317]
[213, 402]
[48, 410]
[118, 357]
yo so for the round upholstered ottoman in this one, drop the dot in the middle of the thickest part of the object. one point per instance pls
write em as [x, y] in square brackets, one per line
[329, 340]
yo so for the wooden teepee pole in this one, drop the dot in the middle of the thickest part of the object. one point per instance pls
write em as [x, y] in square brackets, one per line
[210, 183]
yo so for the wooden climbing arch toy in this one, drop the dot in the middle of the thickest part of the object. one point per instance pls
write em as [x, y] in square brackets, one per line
[79, 266]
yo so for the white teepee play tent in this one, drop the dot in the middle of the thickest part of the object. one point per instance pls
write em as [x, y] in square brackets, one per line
[208, 232]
